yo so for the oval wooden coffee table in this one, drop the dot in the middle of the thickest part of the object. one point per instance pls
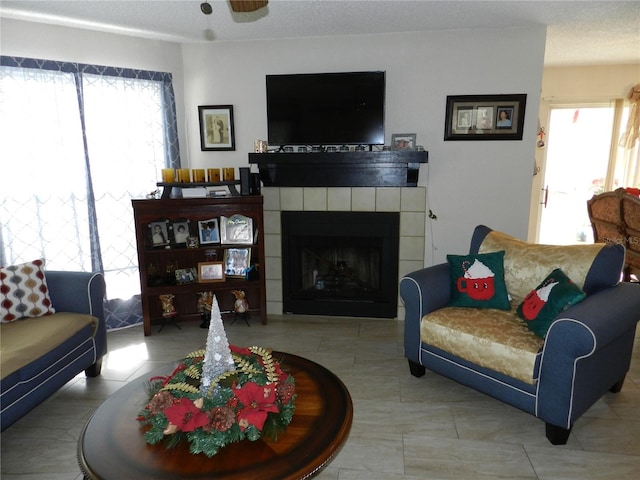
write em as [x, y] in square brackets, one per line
[112, 447]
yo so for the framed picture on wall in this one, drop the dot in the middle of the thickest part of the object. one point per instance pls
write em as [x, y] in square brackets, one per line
[485, 117]
[216, 127]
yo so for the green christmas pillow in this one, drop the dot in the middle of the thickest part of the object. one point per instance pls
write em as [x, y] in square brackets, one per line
[543, 304]
[478, 281]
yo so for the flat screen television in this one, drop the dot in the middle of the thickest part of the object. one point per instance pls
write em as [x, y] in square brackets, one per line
[326, 109]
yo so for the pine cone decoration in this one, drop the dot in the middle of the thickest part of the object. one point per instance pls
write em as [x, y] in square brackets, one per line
[285, 391]
[160, 401]
[220, 418]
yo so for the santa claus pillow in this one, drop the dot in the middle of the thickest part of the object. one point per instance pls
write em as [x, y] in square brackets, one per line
[543, 304]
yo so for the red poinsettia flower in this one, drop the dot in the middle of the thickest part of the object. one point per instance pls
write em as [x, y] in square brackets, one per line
[239, 350]
[186, 416]
[258, 401]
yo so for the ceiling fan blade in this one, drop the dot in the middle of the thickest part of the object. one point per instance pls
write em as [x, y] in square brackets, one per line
[247, 5]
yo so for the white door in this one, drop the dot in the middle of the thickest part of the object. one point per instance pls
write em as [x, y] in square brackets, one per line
[577, 159]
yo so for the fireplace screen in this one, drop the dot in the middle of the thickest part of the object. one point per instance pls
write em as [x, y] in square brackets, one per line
[340, 263]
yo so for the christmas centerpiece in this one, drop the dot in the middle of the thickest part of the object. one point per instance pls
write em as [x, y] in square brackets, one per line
[219, 395]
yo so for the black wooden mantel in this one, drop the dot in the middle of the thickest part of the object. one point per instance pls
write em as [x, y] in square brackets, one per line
[393, 168]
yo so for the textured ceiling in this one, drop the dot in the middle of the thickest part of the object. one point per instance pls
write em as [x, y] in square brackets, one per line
[578, 32]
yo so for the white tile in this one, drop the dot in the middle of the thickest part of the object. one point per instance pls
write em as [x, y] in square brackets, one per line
[413, 199]
[388, 199]
[272, 222]
[412, 224]
[411, 248]
[363, 199]
[271, 198]
[273, 266]
[272, 245]
[339, 199]
[315, 199]
[291, 199]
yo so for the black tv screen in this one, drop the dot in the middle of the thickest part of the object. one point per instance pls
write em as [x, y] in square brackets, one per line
[326, 109]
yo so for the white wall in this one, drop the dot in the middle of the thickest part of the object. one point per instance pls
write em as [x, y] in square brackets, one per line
[468, 182]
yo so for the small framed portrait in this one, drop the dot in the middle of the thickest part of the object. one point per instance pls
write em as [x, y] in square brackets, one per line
[193, 242]
[180, 230]
[485, 117]
[237, 262]
[503, 119]
[208, 231]
[186, 275]
[216, 127]
[209, 272]
[403, 141]
[158, 235]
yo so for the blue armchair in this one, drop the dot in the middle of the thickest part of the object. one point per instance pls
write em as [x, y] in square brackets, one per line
[586, 351]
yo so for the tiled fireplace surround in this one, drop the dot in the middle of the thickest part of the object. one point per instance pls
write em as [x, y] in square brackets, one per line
[409, 201]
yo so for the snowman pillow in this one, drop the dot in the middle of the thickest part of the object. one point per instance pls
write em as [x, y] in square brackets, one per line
[543, 304]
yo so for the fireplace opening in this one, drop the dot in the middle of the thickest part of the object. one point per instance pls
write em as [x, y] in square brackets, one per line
[340, 263]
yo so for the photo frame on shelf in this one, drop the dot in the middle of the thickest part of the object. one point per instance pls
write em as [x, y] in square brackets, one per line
[208, 231]
[237, 262]
[209, 272]
[186, 275]
[216, 127]
[403, 141]
[236, 229]
[485, 117]
[180, 232]
[158, 233]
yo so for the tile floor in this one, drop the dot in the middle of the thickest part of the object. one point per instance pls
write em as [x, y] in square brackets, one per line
[403, 428]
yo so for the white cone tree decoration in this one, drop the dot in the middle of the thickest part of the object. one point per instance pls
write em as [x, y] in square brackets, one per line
[217, 357]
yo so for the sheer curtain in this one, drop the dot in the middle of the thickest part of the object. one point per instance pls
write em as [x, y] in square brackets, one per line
[78, 142]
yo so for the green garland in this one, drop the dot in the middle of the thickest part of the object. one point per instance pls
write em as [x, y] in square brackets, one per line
[255, 400]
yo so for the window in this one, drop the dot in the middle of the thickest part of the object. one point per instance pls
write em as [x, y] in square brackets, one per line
[79, 142]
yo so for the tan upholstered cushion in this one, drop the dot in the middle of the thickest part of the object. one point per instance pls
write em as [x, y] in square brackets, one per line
[527, 264]
[495, 339]
[26, 340]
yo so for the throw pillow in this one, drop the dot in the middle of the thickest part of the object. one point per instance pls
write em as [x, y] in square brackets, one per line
[543, 304]
[478, 281]
[24, 292]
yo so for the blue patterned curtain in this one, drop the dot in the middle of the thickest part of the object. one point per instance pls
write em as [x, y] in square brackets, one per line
[78, 143]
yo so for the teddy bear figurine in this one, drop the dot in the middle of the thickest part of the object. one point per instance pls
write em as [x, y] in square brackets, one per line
[205, 302]
[241, 305]
[168, 310]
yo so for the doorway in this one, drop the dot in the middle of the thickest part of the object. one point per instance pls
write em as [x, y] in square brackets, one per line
[581, 159]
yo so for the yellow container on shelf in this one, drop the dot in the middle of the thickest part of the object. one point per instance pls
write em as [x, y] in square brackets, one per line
[213, 175]
[198, 175]
[229, 174]
[184, 175]
[168, 175]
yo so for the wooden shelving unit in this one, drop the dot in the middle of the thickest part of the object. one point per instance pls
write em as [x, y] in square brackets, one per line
[157, 264]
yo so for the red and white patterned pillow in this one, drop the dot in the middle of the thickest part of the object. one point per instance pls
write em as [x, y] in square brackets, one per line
[24, 292]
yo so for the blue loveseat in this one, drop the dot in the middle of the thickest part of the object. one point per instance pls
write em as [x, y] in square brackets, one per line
[39, 355]
[585, 353]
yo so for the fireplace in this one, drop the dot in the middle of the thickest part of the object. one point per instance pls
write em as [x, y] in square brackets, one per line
[340, 263]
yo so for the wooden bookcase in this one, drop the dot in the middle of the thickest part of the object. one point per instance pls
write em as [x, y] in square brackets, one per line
[158, 263]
